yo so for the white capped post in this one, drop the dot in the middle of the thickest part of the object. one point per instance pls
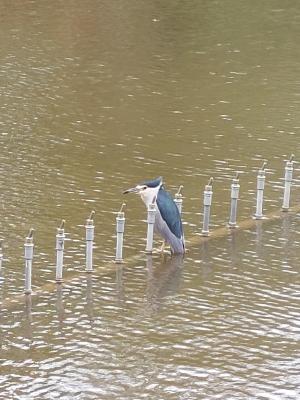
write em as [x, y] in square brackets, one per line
[150, 228]
[261, 177]
[288, 178]
[207, 199]
[89, 237]
[60, 240]
[235, 188]
[120, 227]
[179, 199]
[28, 256]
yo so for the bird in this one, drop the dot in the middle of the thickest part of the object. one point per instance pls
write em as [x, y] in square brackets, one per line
[168, 222]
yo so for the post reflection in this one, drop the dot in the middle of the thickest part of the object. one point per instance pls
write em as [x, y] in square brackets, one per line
[120, 292]
[259, 239]
[59, 303]
[89, 297]
[162, 280]
[27, 328]
[206, 264]
[287, 237]
[233, 248]
[286, 228]
[1, 278]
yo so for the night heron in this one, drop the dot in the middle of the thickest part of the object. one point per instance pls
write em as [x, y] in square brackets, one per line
[167, 219]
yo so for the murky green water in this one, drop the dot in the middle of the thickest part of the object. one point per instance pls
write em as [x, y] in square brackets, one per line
[96, 96]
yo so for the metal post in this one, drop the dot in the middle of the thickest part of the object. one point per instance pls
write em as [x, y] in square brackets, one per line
[60, 240]
[261, 176]
[120, 227]
[235, 188]
[207, 204]
[28, 256]
[178, 199]
[288, 178]
[150, 228]
[89, 236]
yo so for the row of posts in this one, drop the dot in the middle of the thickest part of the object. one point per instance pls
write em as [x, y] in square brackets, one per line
[235, 187]
[207, 202]
[89, 229]
[120, 223]
[60, 245]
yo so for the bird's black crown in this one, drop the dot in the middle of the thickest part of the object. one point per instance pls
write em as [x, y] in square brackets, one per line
[154, 183]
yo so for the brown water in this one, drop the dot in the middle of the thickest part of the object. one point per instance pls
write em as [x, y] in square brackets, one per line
[99, 95]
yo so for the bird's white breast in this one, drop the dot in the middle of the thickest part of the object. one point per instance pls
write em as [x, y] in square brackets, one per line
[149, 194]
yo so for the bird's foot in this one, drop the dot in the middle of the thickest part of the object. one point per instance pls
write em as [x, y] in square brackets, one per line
[165, 248]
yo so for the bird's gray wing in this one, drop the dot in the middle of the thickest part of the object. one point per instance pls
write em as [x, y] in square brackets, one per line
[169, 212]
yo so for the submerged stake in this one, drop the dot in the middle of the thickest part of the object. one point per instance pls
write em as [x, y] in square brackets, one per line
[120, 227]
[28, 256]
[89, 236]
[179, 199]
[235, 188]
[150, 228]
[288, 178]
[60, 240]
[261, 176]
[207, 200]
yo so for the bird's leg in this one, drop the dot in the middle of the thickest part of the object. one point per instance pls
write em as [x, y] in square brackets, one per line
[163, 246]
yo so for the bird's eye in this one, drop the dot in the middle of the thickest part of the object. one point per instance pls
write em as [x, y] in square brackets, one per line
[144, 187]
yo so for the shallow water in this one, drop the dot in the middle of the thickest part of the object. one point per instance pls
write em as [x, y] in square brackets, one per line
[98, 96]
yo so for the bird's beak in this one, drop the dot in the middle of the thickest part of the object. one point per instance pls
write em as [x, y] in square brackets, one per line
[132, 190]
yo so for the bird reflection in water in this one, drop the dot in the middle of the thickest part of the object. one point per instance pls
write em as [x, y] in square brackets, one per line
[163, 280]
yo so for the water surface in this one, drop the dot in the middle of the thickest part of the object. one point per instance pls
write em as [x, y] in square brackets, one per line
[97, 96]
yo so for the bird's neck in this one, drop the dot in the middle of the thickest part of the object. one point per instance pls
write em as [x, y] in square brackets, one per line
[150, 195]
